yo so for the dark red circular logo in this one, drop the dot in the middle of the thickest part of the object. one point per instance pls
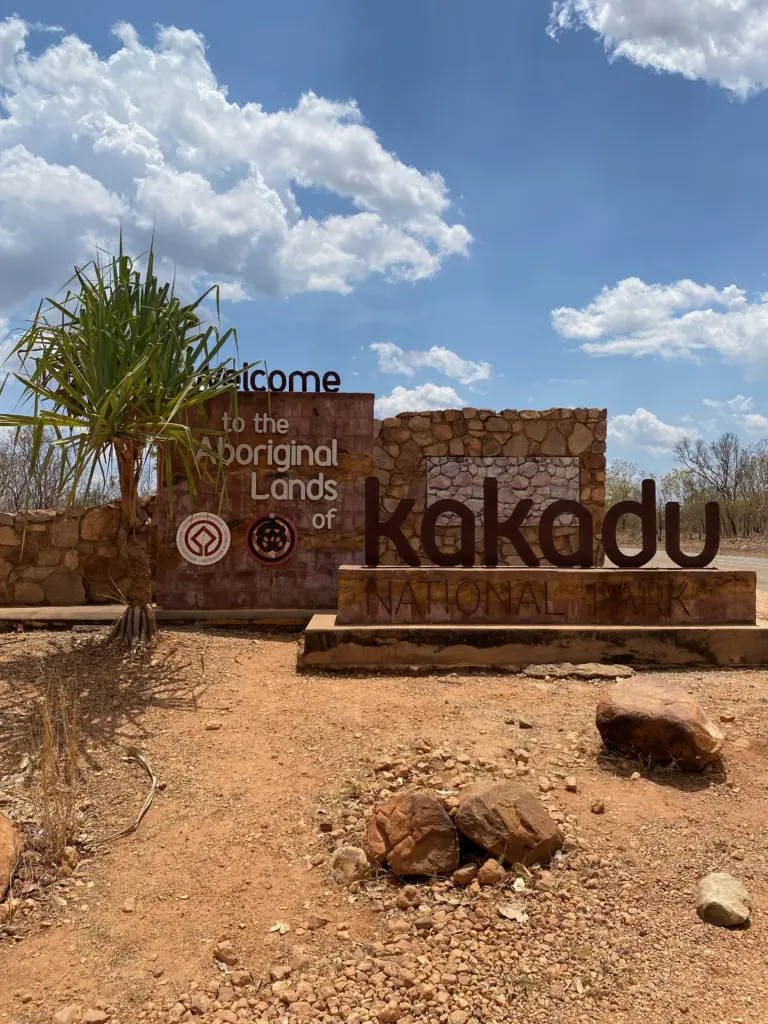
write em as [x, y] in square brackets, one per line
[271, 539]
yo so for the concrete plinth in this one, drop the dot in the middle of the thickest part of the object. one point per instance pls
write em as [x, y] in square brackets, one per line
[331, 645]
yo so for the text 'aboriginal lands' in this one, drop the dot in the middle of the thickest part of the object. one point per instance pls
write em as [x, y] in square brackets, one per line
[526, 600]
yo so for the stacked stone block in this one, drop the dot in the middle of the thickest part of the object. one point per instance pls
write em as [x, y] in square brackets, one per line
[559, 453]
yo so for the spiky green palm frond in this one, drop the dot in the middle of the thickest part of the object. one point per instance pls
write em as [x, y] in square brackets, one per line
[116, 365]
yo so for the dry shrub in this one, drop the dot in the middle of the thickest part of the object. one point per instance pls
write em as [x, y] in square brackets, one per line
[54, 753]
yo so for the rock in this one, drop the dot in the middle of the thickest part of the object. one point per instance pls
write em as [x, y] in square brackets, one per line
[65, 588]
[409, 897]
[67, 1015]
[465, 874]
[722, 900]
[571, 784]
[349, 864]
[10, 850]
[225, 953]
[414, 835]
[490, 873]
[525, 723]
[129, 906]
[598, 807]
[508, 822]
[590, 670]
[64, 533]
[659, 724]
[94, 1017]
[100, 523]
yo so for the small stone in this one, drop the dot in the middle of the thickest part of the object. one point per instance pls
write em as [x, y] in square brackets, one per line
[598, 807]
[239, 978]
[325, 825]
[26, 997]
[525, 723]
[728, 716]
[571, 784]
[317, 860]
[95, 1017]
[466, 874]
[212, 726]
[634, 776]
[544, 785]
[66, 1015]
[722, 900]
[409, 897]
[316, 921]
[490, 873]
[225, 953]
[129, 906]
[349, 864]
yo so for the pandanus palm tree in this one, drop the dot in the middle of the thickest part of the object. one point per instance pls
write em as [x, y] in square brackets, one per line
[118, 370]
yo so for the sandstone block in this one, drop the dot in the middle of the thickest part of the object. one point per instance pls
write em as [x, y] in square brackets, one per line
[414, 835]
[508, 822]
[28, 593]
[580, 439]
[100, 523]
[65, 588]
[64, 533]
[659, 724]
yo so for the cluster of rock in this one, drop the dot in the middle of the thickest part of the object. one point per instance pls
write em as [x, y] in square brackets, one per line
[561, 449]
[50, 557]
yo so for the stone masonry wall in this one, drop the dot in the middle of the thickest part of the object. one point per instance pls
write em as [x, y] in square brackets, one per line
[548, 455]
[50, 557]
[53, 557]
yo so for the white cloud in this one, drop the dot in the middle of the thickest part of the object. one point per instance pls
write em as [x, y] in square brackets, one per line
[720, 41]
[672, 321]
[426, 396]
[393, 359]
[149, 135]
[643, 429]
[741, 412]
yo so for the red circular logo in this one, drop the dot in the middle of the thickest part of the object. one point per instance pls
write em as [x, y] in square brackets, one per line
[271, 539]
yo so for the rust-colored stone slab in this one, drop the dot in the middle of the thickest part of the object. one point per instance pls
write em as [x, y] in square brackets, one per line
[550, 597]
[328, 645]
[307, 579]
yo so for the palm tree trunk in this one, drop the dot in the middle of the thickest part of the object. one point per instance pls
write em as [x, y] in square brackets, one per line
[137, 625]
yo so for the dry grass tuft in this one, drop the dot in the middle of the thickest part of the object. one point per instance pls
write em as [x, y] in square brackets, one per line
[53, 736]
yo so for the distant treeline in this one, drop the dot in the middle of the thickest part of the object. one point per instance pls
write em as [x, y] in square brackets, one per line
[726, 471]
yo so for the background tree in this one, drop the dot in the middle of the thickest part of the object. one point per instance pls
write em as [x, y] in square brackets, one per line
[116, 373]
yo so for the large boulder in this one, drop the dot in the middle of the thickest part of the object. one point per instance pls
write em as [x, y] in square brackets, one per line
[659, 724]
[509, 822]
[414, 835]
[10, 851]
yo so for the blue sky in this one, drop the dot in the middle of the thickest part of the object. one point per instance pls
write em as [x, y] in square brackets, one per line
[597, 235]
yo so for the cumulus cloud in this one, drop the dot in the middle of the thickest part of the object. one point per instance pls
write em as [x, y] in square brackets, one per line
[148, 136]
[393, 359]
[719, 41]
[741, 412]
[673, 321]
[419, 399]
[643, 429]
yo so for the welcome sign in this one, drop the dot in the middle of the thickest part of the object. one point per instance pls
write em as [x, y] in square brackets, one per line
[291, 511]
